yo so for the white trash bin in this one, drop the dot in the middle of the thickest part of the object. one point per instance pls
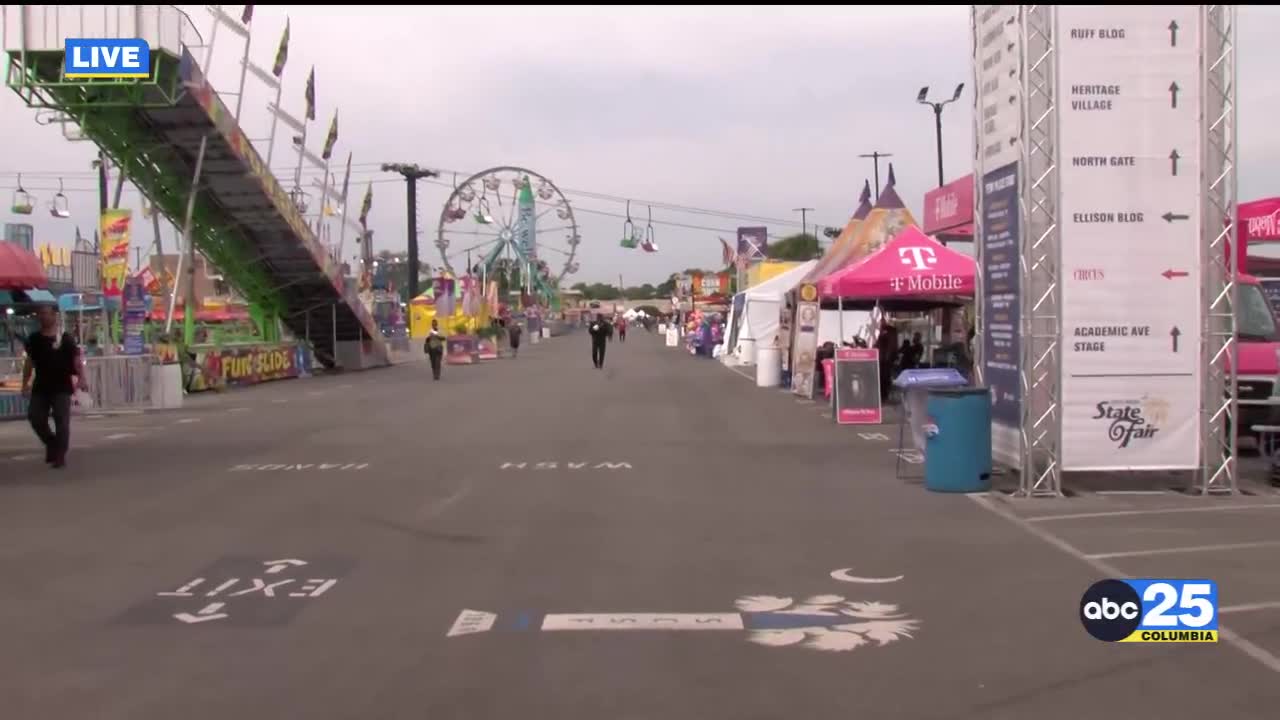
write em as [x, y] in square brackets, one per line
[768, 367]
[747, 351]
[166, 386]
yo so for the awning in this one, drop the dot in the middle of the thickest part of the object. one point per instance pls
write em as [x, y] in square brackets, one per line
[20, 269]
[27, 297]
[911, 265]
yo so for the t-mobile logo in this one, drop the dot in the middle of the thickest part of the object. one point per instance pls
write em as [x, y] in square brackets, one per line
[918, 258]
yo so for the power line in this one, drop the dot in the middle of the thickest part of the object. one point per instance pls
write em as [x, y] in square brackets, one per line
[368, 172]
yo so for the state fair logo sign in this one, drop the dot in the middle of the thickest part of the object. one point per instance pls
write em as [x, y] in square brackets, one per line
[921, 259]
[1130, 420]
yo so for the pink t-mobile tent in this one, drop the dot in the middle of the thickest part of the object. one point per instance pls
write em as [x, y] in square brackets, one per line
[910, 266]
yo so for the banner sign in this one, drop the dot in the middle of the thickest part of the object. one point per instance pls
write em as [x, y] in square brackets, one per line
[710, 284]
[857, 387]
[752, 242]
[231, 367]
[805, 344]
[135, 316]
[460, 349]
[1129, 129]
[113, 241]
[949, 208]
[1001, 298]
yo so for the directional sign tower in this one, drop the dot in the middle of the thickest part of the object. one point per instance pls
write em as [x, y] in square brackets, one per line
[1109, 341]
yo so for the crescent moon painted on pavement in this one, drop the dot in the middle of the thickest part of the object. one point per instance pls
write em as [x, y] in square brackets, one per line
[844, 576]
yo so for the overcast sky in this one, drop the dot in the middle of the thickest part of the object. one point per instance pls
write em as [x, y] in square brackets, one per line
[751, 110]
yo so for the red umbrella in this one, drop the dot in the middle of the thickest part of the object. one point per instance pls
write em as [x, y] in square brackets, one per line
[19, 269]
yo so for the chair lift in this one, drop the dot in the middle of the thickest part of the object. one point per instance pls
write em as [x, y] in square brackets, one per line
[649, 244]
[22, 200]
[60, 207]
[482, 211]
[629, 238]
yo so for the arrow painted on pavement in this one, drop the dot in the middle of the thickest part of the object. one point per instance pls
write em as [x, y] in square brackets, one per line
[278, 566]
[1173, 94]
[1173, 158]
[1171, 216]
[207, 613]
[1174, 333]
[1173, 33]
[1171, 274]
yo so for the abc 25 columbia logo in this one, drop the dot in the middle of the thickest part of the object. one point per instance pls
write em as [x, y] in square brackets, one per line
[1157, 610]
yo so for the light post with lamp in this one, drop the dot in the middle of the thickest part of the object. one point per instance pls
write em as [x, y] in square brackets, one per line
[923, 99]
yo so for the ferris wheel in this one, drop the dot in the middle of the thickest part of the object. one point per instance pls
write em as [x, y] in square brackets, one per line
[509, 220]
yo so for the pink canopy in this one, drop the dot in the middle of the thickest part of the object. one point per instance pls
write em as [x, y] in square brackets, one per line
[911, 265]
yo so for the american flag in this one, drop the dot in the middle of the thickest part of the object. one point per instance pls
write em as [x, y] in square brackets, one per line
[726, 252]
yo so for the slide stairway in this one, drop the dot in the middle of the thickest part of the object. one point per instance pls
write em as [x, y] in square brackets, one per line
[244, 220]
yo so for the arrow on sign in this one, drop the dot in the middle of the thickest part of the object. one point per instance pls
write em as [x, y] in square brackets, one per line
[1173, 158]
[1173, 94]
[1171, 216]
[278, 566]
[1171, 274]
[1173, 33]
[207, 613]
[1173, 334]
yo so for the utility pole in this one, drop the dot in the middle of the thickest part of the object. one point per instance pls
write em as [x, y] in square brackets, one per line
[923, 99]
[875, 156]
[804, 219]
[411, 175]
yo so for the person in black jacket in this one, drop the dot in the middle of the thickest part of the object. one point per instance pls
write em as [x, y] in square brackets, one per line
[434, 347]
[600, 331]
[54, 359]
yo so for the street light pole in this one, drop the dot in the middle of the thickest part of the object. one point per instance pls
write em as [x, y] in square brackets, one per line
[875, 156]
[411, 175]
[923, 98]
[804, 219]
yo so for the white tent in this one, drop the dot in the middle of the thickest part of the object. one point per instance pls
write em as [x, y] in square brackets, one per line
[763, 305]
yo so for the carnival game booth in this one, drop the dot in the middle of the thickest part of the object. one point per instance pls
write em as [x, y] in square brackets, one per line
[756, 313]
[23, 286]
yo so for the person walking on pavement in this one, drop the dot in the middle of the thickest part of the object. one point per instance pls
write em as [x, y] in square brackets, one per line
[434, 346]
[622, 330]
[513, 336]
[600, 331]
[59, 371]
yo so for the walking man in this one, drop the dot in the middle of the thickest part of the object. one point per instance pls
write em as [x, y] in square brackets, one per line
[434, 347]
[55, 359]
[622, 330]
[600, 331]
[513, 336]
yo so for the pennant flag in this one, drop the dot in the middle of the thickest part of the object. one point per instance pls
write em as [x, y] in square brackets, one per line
[892, 180]
[310, 94]
[332, 137]
[247, 16]
[366, 205]
[346, 183]
[726, 252]
[282, 53]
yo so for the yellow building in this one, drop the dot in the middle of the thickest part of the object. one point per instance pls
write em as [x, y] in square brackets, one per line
[767, 270]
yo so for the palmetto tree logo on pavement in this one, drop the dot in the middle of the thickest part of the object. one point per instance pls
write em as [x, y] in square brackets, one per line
[833, 624]
[828, 623]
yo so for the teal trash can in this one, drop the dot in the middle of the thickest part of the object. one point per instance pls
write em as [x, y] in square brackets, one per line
[957, 455]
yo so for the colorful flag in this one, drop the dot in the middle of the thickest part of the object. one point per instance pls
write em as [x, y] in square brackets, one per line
[726, 252]
[114, 250]
[247, 16]
[332, 138]
[310, 94]
[282, 53]
[366, 205]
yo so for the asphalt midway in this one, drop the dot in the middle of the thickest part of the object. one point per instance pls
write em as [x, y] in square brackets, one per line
[667, 485]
